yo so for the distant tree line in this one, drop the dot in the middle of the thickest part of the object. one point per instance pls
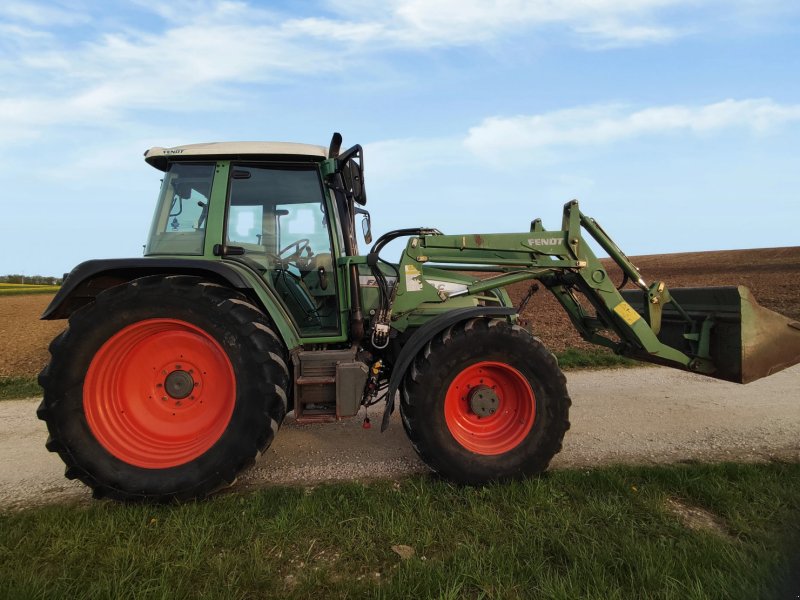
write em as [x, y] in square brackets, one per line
[32, 279]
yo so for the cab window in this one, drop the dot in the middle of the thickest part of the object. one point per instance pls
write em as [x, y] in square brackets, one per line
[278, 216]
[179, 223]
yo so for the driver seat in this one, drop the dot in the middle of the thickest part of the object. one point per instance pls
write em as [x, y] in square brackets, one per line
[297, 298]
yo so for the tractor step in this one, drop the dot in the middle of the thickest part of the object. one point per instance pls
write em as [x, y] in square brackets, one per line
[328, 385]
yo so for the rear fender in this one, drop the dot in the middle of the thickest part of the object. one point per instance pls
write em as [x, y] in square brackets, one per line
[90, 278]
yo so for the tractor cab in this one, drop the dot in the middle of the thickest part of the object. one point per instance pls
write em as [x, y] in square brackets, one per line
[283, 210]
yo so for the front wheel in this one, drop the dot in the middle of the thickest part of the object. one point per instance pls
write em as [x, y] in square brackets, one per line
[163, 388]
[484, 401]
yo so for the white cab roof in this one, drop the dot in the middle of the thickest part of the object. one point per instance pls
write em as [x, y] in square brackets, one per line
[158, 156]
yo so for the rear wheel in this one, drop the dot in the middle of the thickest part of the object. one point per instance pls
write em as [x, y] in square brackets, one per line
[164, 388]
[483, 401]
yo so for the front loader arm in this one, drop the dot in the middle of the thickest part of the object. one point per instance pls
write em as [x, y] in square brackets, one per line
[564, 263]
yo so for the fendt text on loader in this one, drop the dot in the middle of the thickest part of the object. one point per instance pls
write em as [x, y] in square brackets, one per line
[252, 299]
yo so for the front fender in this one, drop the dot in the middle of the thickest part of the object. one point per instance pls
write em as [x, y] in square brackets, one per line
[423, 335]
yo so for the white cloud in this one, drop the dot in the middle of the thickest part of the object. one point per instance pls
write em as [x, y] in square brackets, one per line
[184, 68]
[178, 10]
[501, 138]
[611, 33]
[414, 154]
[20, 33]
[523, 138]
[208, 50]
[429, 23]
[39, 14]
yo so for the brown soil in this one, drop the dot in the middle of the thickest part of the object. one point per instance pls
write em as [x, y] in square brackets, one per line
[773, 275]
[23, 337]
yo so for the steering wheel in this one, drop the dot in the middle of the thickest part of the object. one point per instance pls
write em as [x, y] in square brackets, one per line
[300, 246]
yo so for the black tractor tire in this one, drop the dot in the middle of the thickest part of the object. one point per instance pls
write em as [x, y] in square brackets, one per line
[164, 389]
[485, 401]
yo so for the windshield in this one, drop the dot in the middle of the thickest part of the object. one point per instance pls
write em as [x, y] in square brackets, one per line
[179, 223]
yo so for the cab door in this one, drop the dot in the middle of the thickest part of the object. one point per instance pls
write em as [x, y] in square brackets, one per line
[277, 214]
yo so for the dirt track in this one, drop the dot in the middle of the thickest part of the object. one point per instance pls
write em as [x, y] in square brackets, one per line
[632, 416]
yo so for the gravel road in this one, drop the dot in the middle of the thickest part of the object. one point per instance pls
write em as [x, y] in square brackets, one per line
[632, 416]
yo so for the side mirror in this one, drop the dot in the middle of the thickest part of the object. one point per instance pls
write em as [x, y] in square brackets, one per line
[366, 224]
[351, 165]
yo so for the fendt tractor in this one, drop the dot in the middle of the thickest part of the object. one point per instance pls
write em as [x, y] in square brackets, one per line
[253, 299]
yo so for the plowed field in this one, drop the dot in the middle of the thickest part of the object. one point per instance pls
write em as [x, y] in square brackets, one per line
[773, 274]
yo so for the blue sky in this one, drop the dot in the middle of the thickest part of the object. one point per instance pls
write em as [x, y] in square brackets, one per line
[676, 123]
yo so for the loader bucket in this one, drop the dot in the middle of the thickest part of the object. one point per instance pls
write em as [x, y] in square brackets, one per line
[747, 341]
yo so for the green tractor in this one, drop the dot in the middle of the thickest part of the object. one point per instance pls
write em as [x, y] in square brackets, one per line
[253, 299]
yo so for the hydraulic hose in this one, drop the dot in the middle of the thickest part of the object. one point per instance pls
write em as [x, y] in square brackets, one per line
[380, 326]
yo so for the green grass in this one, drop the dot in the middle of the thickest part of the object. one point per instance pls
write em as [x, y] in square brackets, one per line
[12, 388]
[595, 358]
[18, 289]
[602, 534]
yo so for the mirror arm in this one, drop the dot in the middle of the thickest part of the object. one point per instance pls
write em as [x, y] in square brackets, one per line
[347, 155]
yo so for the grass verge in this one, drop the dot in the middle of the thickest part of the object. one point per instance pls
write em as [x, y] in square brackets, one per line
[606, 533]
[19, 290]
[13, 388]
[595, 358]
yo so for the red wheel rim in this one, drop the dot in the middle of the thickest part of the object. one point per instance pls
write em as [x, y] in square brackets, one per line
[159, 393]
[489, 408]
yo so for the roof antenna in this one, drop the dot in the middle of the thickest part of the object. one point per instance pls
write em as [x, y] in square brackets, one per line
[336, 145]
